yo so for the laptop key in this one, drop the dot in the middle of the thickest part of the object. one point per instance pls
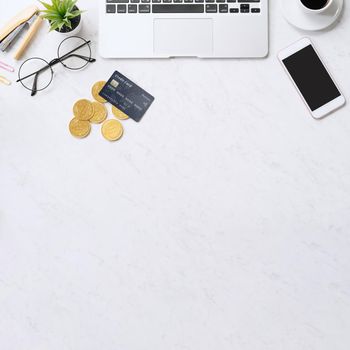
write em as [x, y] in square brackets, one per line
[121, 8]
[110, 8]
[132, 8]
[144, 8]
[211, 8]
[234, 10]
[255, 10]
[223, 8]
[191, 8]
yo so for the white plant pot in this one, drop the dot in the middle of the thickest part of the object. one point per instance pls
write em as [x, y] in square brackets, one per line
[75, 31]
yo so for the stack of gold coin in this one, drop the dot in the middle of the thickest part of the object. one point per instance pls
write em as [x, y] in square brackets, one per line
[83, 110]
[80, 126]
[96, 89]
[87, 113]
[100, 113]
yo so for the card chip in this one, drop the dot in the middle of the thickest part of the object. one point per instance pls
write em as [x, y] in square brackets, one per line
[114, 83]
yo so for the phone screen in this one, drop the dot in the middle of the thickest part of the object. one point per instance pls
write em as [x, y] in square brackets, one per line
[311, 77]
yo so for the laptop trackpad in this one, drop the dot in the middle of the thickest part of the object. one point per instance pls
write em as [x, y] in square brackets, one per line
[183, 37]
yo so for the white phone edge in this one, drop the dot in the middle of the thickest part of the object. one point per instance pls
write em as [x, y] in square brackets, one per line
[329, 107]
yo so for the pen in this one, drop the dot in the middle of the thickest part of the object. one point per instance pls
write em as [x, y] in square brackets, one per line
[6, 67]
[4, 80]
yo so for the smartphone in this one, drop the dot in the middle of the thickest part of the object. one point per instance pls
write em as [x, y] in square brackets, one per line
[311, 78]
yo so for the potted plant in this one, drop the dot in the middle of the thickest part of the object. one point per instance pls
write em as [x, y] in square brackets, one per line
[63, 16]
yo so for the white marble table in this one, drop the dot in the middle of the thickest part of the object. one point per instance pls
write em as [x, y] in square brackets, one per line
[221, 221]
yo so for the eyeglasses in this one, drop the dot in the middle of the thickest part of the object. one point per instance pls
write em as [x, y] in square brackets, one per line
[36, 74]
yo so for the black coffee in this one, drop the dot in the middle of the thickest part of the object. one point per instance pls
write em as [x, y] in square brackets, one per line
[314, 4]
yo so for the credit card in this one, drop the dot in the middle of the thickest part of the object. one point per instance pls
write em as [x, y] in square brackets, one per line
[124, 94]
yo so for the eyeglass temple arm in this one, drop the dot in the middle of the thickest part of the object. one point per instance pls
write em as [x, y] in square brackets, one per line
[85, 58]
[35, 85]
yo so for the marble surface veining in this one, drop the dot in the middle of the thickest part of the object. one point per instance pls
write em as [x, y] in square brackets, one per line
[221, 221]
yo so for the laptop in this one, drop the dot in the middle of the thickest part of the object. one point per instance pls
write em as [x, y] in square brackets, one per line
[183, 28]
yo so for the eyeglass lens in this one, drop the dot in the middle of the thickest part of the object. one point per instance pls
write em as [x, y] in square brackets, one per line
[41, 80]
[79, 58]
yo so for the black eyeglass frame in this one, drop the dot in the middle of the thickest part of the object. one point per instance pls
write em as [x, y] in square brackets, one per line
[54, 62]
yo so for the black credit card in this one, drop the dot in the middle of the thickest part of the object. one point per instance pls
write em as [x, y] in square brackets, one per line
[122, 93]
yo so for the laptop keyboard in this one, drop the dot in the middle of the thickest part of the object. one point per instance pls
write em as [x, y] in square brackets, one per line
[183, 6]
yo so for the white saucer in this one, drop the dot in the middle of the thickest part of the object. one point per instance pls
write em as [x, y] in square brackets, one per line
[299, 18]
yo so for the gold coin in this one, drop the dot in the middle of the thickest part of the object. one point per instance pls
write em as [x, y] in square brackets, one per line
[96, 90]
[112, 130]
[100, 113]
[83, 110]
[119, 114]
[79, 128]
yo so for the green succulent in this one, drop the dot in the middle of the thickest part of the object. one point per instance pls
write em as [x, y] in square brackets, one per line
[60, 13]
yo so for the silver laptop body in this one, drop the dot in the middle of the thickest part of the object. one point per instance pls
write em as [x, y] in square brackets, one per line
[183, 28]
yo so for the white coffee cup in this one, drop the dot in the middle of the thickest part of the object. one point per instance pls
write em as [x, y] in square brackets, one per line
[323, 9]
